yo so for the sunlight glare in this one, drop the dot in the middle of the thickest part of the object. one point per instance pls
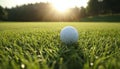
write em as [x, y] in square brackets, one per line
[64, 5]
[61, 5]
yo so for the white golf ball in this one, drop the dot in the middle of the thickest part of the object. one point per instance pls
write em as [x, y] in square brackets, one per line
[69, 35]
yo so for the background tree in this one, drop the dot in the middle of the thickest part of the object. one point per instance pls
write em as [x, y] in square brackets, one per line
[113, 6]
[41, 12]
[83, 12]
[98, 7]
[45, 11]
[3, 13]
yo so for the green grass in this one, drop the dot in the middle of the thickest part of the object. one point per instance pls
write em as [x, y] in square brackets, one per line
[103, 18]
[38, 46]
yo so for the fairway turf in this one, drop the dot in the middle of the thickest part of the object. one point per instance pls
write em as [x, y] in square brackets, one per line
[35, 45]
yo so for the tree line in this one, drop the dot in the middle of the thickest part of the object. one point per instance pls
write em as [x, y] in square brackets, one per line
[41, 12]
[46, 12]
[101, 7]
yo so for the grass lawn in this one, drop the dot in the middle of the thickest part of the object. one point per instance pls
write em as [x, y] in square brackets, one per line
[35, 45]
[103, 18]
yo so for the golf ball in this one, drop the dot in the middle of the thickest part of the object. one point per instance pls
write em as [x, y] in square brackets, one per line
[69, 35]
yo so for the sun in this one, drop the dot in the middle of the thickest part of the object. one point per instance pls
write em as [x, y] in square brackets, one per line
[64, 5]
[60, 8]
[61, 5]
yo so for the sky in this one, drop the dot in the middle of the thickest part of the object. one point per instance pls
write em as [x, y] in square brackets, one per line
[13, 3]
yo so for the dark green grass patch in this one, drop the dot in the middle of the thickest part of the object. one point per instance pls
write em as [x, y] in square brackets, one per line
[38, 46]
[102, 18]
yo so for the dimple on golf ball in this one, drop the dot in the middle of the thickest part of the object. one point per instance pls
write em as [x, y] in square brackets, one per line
[69, 35]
